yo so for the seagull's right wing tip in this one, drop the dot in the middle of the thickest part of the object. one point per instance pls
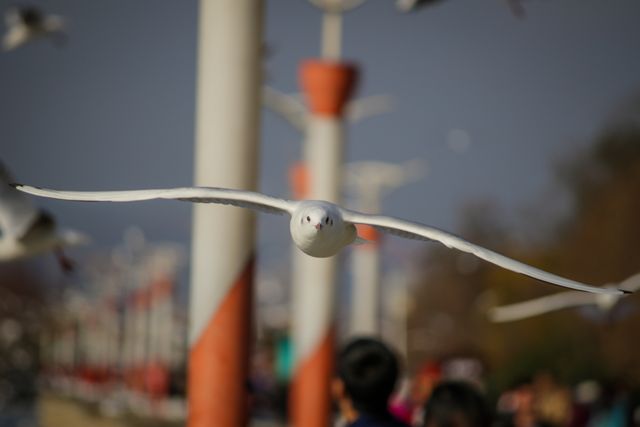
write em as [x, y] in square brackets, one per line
[625, 291]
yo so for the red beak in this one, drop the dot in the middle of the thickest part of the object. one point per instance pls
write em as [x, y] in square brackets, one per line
[318, 226]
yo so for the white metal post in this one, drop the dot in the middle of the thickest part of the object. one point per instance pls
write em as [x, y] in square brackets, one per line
[226, 155]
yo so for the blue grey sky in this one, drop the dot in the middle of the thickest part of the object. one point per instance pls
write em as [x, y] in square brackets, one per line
[114, 108]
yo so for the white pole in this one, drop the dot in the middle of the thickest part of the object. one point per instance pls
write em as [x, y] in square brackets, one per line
[331, 45]
[314, 281]
[370, 181]
[327, 84]
[226, 155]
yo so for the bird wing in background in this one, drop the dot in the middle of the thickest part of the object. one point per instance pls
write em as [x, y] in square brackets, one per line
[239, 198]
[423, 232]
[17, 211]
[631, 283]
[287, 106]
[538, 306]
[12, 16]
[14, 38]
[53, 23]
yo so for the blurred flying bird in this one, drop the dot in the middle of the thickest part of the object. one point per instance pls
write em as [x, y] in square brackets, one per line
[27, 23]
[26, 230]
[516, 8]
[319, 228]
[413, 5]
[549, 303]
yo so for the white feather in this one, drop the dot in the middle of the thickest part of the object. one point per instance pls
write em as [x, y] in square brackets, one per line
[559, 301]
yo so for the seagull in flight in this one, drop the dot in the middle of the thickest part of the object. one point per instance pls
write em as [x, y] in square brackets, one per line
[28, 23]
[26, 230]
[318, 228]
[569, 299]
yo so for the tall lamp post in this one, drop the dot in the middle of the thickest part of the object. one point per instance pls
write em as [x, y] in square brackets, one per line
[327, 84]
[370, 181]
[313, 280]
[226, 155]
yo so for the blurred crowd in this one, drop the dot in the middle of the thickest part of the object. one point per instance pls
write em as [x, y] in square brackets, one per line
[371, 385]
[371, 390]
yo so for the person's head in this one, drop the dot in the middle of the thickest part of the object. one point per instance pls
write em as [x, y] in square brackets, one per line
[456, 404]
[367, 371]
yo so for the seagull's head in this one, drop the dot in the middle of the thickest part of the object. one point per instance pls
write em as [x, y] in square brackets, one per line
[316, 219]
[317, 228]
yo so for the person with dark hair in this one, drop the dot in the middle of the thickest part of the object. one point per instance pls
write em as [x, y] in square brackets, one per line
[367, 371]
[456, 404]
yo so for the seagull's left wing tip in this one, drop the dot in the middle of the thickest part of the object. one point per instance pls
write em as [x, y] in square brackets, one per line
[625, 291]
[24, 187]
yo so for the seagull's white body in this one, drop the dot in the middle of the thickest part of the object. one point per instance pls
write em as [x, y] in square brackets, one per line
[27, 24]
[26, 230]
[562, 300]
[319, 228]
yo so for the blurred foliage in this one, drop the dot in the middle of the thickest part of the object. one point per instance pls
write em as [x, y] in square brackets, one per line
[596, 244]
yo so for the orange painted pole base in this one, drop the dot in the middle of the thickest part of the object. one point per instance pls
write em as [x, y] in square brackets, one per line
[218, 361]
[310, 401]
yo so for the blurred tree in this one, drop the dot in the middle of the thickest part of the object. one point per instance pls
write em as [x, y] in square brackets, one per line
[445, 322]
[595, 243]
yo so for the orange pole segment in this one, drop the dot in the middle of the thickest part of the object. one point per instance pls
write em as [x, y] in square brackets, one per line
[299, 180]
[311, 396]
[368, 232]
[327, 85]
[211, 363]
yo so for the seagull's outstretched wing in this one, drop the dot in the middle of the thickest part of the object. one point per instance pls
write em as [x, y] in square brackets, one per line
[12, 16]
[535, 307]
[17, 211]
[240, 198]
[423, 232]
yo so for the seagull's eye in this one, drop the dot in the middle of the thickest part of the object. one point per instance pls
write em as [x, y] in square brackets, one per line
[308, 219]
